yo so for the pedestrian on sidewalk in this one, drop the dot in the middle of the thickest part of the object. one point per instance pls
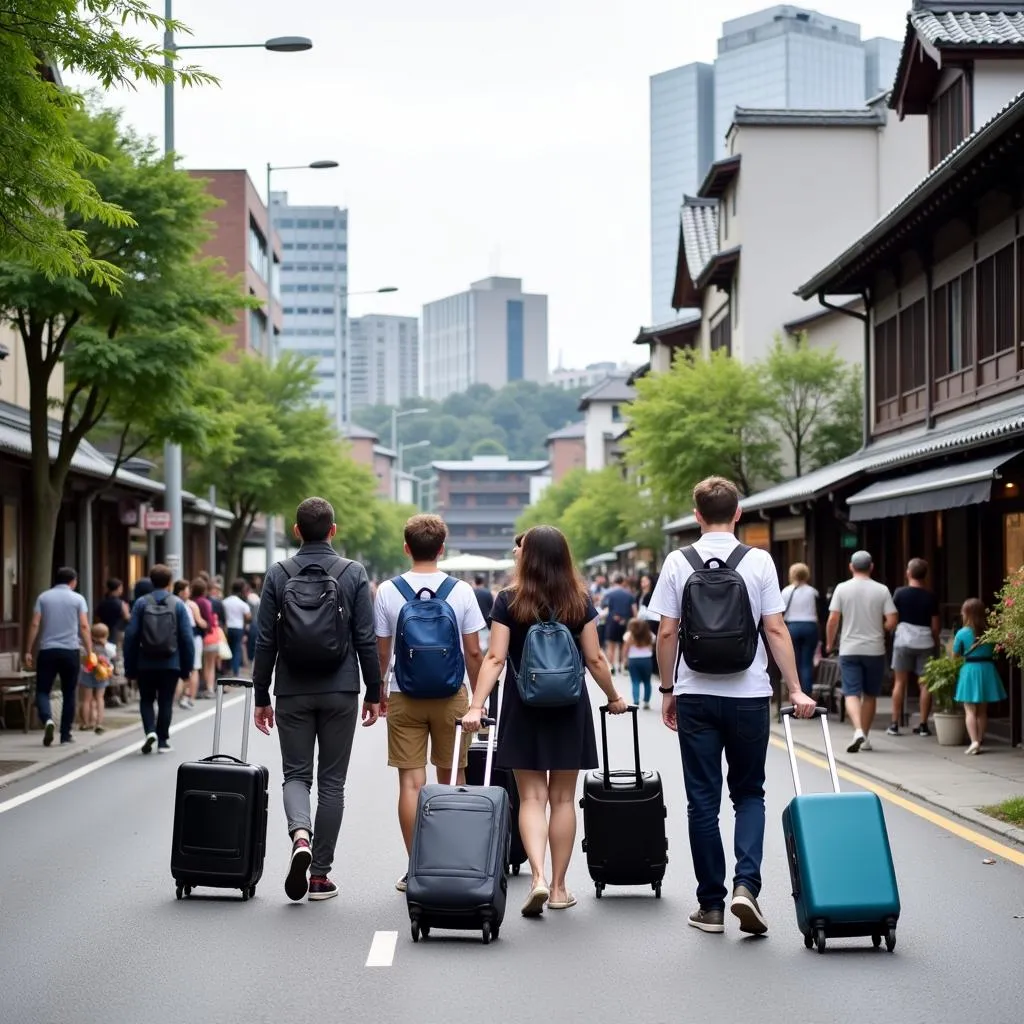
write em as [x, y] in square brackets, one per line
[414, 717]
[93, 680]
[621, 607]
[59, 619]
[206, 622]
[716, 713]
[801, 614]
[237, 616]
[547, 748]
[914, 642]
[866, 611]
[978, 683]
[315, 635]
[638, 651]
[183, 592]
[158, 653]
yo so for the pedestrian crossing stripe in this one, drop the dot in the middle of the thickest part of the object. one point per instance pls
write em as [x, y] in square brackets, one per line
[962, 831]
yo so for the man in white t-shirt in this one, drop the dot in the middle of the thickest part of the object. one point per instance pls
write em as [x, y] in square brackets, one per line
[411, 720]
[237, 615]
[724, 713]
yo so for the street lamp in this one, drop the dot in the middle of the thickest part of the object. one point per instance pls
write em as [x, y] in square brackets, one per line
[270, 541]
[402, 449]
[395, 414]
[344, 386]
[175, 541]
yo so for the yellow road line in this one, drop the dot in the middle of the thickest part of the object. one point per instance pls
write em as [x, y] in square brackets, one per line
[977, 838]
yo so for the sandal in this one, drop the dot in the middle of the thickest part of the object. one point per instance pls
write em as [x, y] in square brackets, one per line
[534, 905]
[570, 902]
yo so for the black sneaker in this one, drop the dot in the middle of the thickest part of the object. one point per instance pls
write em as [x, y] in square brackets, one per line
[745, 907]
[893, 730]
[147, 747]
[923, 730]
[67, 739]
[322, 888]
[708, 920]
[295, 885]
[48, 732]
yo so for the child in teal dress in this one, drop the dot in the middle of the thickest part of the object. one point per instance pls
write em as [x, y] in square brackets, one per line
[978, 683]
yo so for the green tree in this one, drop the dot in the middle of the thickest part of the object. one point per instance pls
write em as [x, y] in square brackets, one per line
[48, 170]
[842, 432]
[281, 448]
[383, 552]
[137, 359]
[603, 514]
[702, 417]
[552, 504]
[806, 387]
[487, 446]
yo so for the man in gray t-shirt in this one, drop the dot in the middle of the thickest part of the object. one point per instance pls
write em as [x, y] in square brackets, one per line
[866, 610]
[59, 619]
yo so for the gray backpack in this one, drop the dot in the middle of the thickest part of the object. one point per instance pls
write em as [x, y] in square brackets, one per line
[551, 670]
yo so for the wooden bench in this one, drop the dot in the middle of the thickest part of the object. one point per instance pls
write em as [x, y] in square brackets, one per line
[16, 687]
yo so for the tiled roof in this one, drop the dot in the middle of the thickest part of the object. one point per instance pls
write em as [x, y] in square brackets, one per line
[700, 233]
[969, 28]
[614, 388]
[1003, 421]
[570, 432]
[354, 431]
[863, 117]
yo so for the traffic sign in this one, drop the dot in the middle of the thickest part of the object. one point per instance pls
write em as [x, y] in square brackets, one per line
[157, 521]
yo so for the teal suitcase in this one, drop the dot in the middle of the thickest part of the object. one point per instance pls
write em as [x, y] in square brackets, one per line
[840, 862]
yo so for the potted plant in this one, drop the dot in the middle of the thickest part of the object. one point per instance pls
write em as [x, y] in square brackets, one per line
[1006, 620]
[940, 678]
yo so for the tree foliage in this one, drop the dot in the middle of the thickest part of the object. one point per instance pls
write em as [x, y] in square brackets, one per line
[280, 448]
[383, 552]
[704, 416]
[134, 360]
[811, 400]
[481, 421]
[47, 168]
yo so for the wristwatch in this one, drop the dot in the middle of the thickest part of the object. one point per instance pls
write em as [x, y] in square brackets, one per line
[666, 689]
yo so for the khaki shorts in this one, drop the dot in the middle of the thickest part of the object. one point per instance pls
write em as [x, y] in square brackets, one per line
[411, 721]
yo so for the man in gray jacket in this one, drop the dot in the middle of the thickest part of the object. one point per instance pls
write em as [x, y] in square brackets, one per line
[314, 651]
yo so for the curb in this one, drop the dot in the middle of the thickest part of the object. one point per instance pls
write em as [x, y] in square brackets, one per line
[1001, 828]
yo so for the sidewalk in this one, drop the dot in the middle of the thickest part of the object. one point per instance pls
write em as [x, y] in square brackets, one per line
[919, 767]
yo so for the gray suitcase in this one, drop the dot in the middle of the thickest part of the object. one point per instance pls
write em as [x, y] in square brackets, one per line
[458, 867]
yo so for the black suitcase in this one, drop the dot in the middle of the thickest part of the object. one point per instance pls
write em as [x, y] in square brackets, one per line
[624, 821]
[475, 774]
[458, 867]
[220, 814]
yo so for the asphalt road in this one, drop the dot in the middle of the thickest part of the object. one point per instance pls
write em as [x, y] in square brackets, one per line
[91, 932]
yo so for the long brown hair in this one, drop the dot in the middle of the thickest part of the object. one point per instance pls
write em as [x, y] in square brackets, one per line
[640, 632]
[974, 616]
[546, 583]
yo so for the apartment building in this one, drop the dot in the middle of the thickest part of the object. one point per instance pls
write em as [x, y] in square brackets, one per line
[385, 359]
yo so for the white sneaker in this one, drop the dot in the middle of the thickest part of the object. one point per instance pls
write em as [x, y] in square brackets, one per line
[973, 748]
[857, 742]
[866, 745]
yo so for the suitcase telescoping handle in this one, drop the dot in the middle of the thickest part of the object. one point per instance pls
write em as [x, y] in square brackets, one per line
[822, 714]
[219, 714]
[633, 709]
[458, 750]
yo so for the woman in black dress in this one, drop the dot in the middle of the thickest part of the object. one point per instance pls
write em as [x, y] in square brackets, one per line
[546, 748]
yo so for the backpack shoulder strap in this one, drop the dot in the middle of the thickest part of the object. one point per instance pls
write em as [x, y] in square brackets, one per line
[737, 556]
[690, 554]
[149, 600]
[402, 586]
[446, 588]
[341, 566]
[290, 567]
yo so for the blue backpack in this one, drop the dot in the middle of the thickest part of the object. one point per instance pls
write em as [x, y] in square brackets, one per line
[551, 670]
[428, 648]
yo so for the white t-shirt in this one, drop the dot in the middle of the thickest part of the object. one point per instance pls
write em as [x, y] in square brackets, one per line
[389, 603]
[803, 605]
[759, 574]
[863, 604]
[235, 610]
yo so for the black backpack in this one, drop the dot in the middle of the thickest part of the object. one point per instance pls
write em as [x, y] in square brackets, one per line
[717, 632]
[312, 621]
[158, 635]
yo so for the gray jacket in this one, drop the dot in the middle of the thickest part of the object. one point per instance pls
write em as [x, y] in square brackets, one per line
[362, 652]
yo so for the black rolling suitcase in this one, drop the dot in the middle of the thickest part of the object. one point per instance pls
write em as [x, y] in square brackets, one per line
[476, 773]
[458, 868]
[220, 814]
[624, 821]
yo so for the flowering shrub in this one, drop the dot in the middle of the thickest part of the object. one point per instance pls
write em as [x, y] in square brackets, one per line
[1006, 620]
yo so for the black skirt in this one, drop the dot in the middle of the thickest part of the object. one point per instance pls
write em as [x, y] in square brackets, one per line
[544, 739]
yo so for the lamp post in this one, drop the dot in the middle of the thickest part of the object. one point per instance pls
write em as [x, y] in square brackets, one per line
[421, 482]
[395, 415]
[174, 545]
[402, 449]
[342, 353]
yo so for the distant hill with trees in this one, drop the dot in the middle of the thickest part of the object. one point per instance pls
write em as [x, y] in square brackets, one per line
[514, 421]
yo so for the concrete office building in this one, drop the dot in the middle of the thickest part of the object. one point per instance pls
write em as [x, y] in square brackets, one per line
[314, 287]
[385, 359]
[682, 148]
[881, 59]
[492, 334]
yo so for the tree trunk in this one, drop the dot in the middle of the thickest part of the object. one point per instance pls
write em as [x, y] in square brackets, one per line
[42, 534]
[236, 535]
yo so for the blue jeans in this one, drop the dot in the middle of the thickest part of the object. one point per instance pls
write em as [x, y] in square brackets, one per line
[640, 670]
[235, 638]
[739, 726]
[805, 642]
[52, 664]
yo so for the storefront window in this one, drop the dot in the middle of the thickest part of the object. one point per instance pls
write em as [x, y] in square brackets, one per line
[757, 535]
[9, 532]
[1013, 541]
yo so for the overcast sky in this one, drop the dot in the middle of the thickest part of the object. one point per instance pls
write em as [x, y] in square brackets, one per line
[475, 137]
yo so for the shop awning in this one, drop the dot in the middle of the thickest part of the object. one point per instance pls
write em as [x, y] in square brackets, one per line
[955, 486]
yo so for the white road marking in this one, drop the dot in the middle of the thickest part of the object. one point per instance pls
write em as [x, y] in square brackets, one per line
[382, 949]
[88, 769]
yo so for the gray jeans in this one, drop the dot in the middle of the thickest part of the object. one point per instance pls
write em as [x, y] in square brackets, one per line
[328, 720]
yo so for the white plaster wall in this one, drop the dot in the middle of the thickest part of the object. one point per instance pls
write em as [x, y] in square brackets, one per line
[597, 420]
[996, 82]
[14, 373]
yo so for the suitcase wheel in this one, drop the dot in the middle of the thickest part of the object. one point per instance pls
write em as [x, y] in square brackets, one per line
[599, 887]
[418, 930]
[657, 890]
[890, 938]
[252, 891]
[516, 868]
[183, 889]
[819, 939]
[488, 934]
[808, 941]
[876, 941]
